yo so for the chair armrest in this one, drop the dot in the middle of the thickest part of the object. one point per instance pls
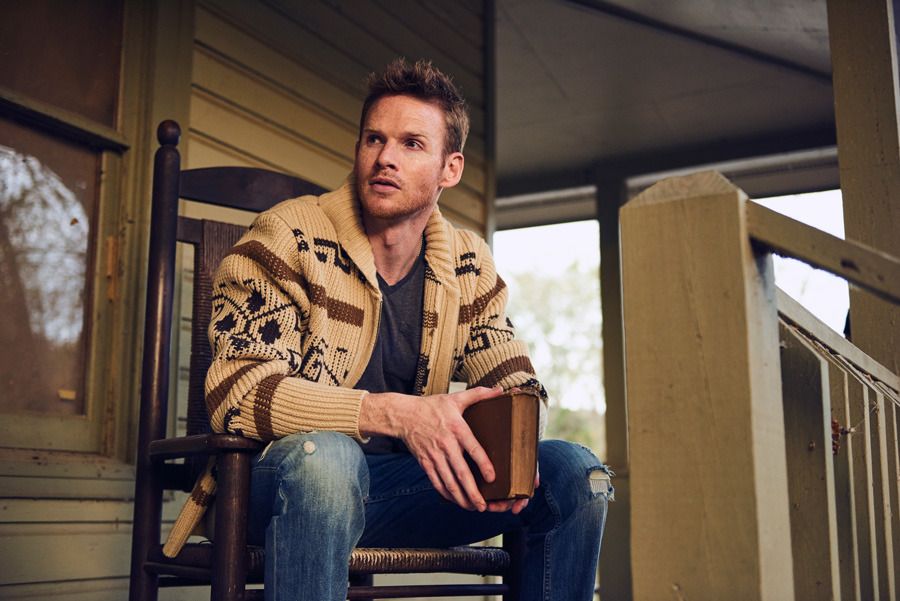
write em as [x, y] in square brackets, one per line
[202, 444]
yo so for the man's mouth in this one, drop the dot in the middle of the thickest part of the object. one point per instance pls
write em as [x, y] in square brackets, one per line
[383, 184]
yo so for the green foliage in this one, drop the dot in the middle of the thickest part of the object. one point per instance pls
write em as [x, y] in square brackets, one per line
[584, 426]
[558, 315]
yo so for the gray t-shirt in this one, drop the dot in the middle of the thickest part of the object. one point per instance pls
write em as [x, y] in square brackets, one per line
[395, 358]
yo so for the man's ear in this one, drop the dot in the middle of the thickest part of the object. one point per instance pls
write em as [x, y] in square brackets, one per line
[453, 170]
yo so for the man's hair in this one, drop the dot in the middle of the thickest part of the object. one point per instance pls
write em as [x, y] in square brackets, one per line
[425, 82]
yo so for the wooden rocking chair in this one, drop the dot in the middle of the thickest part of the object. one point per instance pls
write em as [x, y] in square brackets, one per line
[228, 564]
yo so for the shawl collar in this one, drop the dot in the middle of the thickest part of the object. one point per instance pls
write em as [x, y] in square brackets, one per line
[345, 213]
[343, 209]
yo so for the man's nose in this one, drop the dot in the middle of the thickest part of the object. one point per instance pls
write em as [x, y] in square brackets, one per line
[387, 157]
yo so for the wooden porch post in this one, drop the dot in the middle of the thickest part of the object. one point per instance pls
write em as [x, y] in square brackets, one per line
[864, 65]
[709, 500]
[615, 554]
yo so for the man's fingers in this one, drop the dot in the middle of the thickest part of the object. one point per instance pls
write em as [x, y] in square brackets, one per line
[470, 396]
[439, 438]
[467, 480]
[435, 480]
[514, 505]
[480, 458]
[519, 505]
[456, 476]
[500, 506]
[445, 481]
[453, 478]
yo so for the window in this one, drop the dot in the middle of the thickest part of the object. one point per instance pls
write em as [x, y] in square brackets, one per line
[553, 274]
[59, 93]
[47, 208]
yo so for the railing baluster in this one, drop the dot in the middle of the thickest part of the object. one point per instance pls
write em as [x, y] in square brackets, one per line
[844, 495]
[881, 498]
[862, 476]
[892, 414]
[805, 389]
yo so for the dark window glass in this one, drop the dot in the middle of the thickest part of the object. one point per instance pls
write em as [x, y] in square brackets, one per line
[64, 53]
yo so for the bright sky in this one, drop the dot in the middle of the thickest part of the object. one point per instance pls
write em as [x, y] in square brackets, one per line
[823, 294]
[515, 251]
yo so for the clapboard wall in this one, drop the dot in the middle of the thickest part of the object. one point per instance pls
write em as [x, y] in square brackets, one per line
[278, 84]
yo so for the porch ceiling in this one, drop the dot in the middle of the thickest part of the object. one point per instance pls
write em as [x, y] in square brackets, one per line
[650, 85]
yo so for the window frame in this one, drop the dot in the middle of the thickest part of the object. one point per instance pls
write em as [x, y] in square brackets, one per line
[91, 455]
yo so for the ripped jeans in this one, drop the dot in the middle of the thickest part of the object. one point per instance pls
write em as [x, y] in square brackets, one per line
[316, 496]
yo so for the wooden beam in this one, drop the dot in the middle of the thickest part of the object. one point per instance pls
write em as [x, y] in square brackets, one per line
[706, 424]
[489, 84]
[669, 159]
[864, 62]
[794, 312]
[866, 267]
[75, 126]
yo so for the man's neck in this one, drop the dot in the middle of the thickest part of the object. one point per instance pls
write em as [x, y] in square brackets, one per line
[396, 247]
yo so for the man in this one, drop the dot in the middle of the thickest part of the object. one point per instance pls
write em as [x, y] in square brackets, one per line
[339, 322]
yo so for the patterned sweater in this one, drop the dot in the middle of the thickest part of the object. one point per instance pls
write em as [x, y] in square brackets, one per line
[296, 305]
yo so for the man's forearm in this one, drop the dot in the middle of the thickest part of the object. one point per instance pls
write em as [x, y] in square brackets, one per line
[379, 414]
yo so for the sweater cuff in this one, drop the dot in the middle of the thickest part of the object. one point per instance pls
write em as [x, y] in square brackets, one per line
[280, 406]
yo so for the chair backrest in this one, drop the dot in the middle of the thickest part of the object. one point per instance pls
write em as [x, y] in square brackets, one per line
[242, 188]
[235, 187]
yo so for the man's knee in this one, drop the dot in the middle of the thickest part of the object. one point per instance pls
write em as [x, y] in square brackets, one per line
[573, 471]
[314, 477]
[319, 467]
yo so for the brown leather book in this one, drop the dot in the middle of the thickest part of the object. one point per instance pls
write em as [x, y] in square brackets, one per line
[507, 429]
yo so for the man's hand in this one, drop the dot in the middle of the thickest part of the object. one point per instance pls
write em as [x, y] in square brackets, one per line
[514, 505]
[437, 435]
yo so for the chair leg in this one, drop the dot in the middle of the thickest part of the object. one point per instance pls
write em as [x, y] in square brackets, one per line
[514, 544]
[145, 529]
[362, 580]
[230, 549]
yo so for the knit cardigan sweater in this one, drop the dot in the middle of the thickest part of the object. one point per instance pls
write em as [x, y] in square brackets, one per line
[296, 309]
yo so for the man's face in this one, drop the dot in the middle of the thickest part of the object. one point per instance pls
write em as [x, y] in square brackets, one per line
[400, 165]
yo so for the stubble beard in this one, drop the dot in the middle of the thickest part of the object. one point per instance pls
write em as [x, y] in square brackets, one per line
[407, 202]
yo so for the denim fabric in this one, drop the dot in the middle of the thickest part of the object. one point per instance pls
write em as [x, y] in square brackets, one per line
[316, 496]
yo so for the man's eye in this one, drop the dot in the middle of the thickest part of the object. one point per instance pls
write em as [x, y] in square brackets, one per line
[414, 144]
[373, 139]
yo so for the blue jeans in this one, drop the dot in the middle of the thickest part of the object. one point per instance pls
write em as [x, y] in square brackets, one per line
[316, 496]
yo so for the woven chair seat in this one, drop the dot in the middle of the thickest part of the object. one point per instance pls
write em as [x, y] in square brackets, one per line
[458, 560]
